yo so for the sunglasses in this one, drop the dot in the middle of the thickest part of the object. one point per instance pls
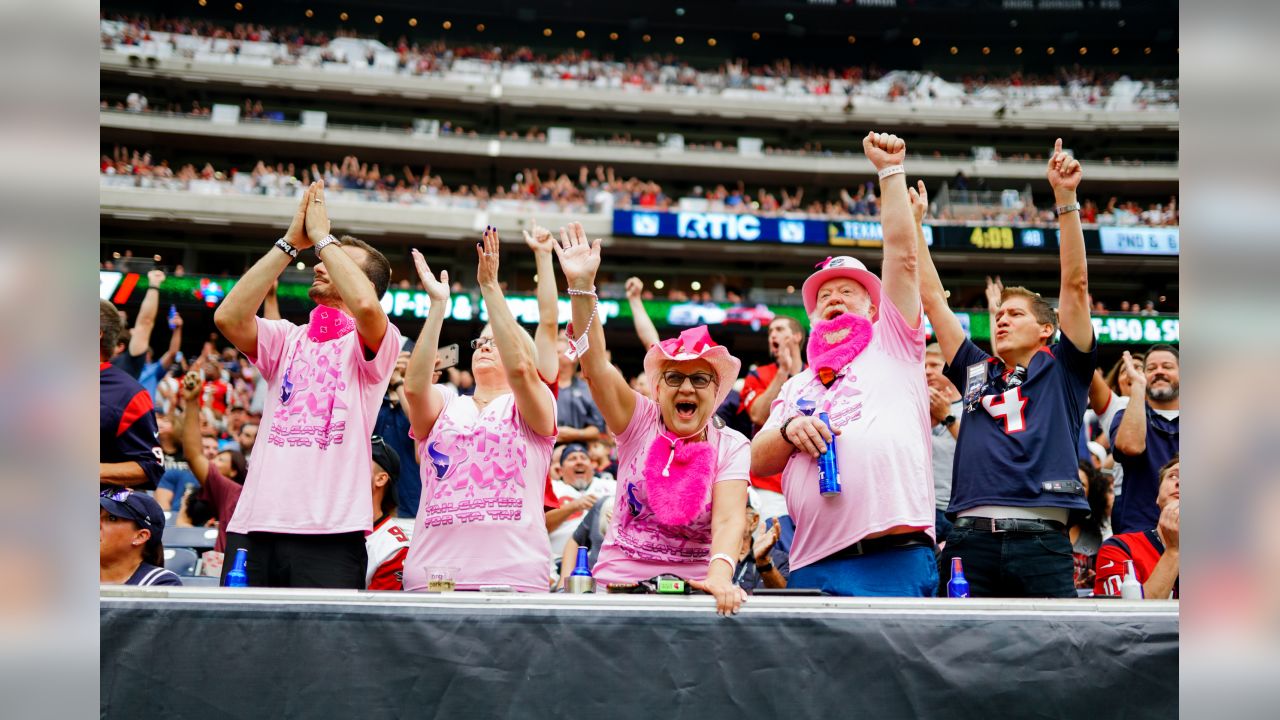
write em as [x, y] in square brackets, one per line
[121, 495]
[698, 380]
[481, 342]
[377, 440]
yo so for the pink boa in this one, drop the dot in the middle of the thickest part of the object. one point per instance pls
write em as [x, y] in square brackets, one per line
[680, 495]
[833, 356]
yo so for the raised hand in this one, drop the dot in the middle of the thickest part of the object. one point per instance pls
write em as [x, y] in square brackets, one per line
[192, 388]
[437, 290]
[296, 235]
[1137, 380]
[1064, 171]
[155, 278]
[995, 289]
[763, 544]
[487, 257]
[1170, 521]
[579, 259]
[884, 150]
[177, 321]
[317, 221]
[635, 286]
[939, 405]
[919, 201]
[538, 238]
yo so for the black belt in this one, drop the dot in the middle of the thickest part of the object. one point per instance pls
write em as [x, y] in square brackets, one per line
[999, 525]
[884, 542]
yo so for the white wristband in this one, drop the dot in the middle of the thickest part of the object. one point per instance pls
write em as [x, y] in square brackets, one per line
[722, 556]
[891, 170]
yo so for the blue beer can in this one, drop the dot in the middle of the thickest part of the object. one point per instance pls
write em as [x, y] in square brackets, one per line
[828, 468]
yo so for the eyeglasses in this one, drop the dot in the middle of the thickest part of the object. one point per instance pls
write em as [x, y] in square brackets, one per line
[377, 440]
[698, 380]
[481, 342]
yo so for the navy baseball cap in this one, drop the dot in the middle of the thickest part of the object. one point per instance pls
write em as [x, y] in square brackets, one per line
[574, 447]
[139, 507]
[386, 458]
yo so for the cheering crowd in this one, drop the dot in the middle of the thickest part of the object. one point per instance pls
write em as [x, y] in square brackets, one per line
[1070, 87]
[333, 453]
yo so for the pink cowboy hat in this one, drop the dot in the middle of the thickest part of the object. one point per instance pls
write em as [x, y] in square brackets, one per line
[694, 344]
[841, 266]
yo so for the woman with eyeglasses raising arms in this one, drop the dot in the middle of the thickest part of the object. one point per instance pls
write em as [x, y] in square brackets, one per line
[682, 479]
[484, 457]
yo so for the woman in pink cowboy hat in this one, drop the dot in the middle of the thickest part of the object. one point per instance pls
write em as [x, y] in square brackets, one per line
[682, 481]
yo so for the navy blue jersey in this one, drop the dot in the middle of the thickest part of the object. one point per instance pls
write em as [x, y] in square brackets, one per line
[127, 424]
[1017, 444]
[152, 575]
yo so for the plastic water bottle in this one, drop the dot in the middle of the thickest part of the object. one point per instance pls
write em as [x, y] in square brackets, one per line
[1130, 589]
[173, 316]
[236, 576]
[581, 580]
[957, 586]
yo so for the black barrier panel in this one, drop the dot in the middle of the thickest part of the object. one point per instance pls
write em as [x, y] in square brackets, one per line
[199, 659]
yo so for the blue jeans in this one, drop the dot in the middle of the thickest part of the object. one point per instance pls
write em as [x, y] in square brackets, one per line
[904, 572]
[1010, 564]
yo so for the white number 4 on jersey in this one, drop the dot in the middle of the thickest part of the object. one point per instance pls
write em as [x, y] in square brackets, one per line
[1008, 406]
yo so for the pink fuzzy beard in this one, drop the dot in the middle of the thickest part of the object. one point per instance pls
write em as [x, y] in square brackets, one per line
[833, 356]
[681, 496]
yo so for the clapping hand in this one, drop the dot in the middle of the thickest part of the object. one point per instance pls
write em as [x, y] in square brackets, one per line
[317, 219]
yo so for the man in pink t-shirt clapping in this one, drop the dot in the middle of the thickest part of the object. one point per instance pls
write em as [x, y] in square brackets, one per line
[866, 372]
[306, 505]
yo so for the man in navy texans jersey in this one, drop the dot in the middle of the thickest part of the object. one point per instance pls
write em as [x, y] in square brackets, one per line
[128, 452]
[1015, 485]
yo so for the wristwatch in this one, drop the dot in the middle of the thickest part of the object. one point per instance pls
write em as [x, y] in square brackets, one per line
[325, 242]
[288, 249]
[767, 567]
[948, 421]
[1064, 209]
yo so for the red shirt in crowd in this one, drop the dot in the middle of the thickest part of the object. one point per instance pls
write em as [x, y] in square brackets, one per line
[756, 383]
[1143, 548]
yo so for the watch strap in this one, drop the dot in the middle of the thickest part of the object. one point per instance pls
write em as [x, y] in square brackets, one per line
[325, 242]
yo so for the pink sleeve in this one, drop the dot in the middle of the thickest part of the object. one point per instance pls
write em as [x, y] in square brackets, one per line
[272, 337]
[645, 414]
[897, 338]
[384, 362]
[737, 462]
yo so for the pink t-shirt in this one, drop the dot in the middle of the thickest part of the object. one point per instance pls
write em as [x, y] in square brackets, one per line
[483, 475]
[881, 405]
[313, 459]
[637, 546]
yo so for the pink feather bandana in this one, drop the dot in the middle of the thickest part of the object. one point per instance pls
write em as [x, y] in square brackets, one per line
[329, 324]
[677, 475]
[828, 357]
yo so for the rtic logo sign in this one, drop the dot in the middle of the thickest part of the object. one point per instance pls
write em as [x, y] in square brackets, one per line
[718, 226]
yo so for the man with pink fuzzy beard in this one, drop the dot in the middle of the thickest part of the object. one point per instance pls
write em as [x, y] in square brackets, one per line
[866, 372]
